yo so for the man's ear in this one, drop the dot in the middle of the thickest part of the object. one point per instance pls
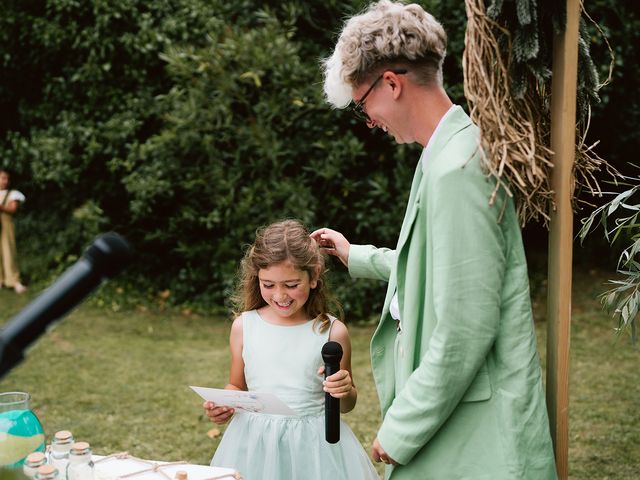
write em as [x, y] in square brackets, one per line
[394, 82]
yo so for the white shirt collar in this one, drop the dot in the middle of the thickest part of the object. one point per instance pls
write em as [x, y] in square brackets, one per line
[425, 152]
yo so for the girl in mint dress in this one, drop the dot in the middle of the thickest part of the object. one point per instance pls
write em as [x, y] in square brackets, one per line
[276, 340]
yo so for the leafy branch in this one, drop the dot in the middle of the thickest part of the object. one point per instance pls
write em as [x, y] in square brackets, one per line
[619, 219]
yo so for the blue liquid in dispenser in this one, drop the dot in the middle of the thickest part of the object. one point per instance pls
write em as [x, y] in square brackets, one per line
[20, 433]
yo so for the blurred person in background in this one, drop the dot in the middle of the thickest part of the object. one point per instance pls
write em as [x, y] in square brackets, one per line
[10, 201]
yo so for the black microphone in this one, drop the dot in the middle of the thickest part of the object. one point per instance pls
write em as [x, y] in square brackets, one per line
[331, 354]
[105, 257]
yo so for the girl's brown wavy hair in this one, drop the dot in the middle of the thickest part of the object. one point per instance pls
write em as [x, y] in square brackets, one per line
[285, 241]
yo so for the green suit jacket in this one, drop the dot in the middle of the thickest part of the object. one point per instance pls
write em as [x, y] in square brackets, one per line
[460, 385]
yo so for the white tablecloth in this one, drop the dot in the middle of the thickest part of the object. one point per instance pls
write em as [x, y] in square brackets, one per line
[115, 466]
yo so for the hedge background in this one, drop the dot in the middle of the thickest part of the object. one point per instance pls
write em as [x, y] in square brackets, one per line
[186, 124]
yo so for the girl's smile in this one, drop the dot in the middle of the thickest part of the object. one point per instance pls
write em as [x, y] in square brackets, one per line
[286, 290]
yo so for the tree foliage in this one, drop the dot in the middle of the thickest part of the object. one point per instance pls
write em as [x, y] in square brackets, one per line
[184, 125]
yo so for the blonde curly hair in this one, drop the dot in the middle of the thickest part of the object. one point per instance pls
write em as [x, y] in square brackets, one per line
[387, 35]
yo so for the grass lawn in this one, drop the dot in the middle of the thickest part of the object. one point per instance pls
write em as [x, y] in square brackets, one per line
[119, 380]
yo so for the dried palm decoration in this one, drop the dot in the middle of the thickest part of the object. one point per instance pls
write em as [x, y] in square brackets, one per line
[507, 80]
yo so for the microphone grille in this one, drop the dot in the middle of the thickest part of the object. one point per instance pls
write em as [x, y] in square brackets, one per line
[332, 351]
[109, 253]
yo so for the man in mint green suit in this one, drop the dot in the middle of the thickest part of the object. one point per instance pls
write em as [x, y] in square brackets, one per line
[454, 356]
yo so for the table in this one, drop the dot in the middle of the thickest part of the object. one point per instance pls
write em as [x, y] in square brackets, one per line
[125, 466]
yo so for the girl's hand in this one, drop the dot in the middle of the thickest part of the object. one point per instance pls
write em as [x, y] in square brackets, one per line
[217, 414]
[339, 384]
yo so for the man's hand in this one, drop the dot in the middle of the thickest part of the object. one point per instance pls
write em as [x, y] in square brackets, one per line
[379, 455]
[333, 243]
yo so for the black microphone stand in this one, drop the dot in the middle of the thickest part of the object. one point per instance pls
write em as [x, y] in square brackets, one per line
[104, 258]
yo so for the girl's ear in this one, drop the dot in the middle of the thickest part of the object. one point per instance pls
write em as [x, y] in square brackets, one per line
[313, 281]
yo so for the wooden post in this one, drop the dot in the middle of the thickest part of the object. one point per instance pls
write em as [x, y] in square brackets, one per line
[563, 141]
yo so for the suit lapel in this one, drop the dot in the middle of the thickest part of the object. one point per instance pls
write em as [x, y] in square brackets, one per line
[455, 120]
[412, 206]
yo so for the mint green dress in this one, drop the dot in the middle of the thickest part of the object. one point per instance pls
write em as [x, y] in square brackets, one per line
[284, 360]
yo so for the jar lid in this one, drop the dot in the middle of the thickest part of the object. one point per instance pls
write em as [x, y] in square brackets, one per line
[63, 435]
[78, 447]
[8, 399]
[35, 457]
[47, 469]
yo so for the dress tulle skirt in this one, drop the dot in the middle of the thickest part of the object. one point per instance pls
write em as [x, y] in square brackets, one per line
[273, 447]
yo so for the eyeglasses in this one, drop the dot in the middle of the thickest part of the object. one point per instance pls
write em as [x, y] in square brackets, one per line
[358, 107]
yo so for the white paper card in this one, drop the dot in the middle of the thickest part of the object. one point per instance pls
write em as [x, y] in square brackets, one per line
[256, 402]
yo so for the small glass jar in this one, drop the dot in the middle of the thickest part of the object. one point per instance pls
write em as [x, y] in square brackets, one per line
[20, 430]
[47, 472]
[80, 465]
[32, 462]
[59, 453]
